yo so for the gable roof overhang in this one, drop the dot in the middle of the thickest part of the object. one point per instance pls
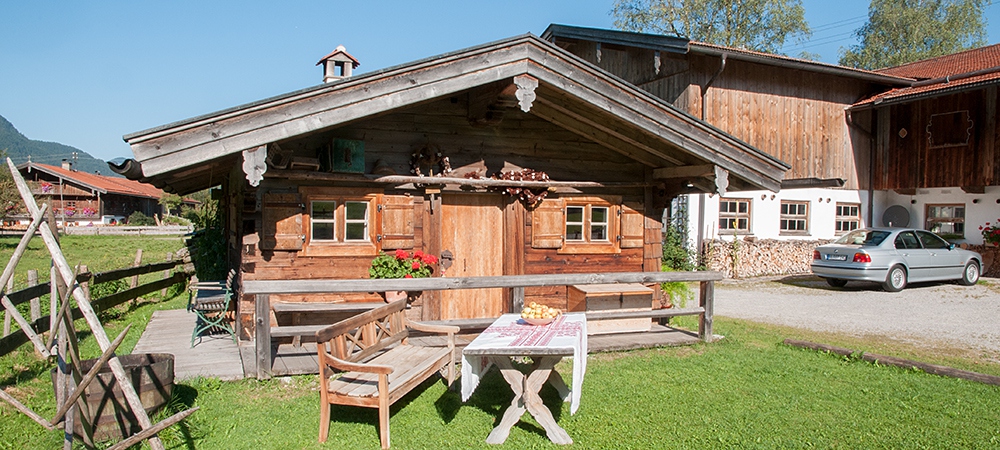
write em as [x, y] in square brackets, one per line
[182, 157]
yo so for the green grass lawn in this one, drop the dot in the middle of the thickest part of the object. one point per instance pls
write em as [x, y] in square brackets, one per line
[746, 391]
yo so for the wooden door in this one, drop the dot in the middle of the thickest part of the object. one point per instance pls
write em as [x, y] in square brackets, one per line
[472, 229]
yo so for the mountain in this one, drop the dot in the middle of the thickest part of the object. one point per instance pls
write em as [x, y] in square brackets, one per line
[19, 148]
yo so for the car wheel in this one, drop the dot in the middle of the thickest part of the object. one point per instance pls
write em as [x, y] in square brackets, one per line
[895, 281]
[836, 282]
[970, 275]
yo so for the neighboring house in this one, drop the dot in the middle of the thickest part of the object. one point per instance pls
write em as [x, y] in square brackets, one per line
[317, 182]
[936, 157]
[931, 160]
[81, 198]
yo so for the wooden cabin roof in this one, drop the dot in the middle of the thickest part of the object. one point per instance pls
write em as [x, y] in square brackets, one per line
[96, 183]
[572, 93]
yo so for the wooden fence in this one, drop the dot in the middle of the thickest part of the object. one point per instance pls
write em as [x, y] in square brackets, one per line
[263, 289]
[14, 338]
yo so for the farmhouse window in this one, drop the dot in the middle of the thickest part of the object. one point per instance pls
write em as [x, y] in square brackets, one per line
[339, 222]
[734, 215]
[848, 217]
[794, 218]
[946, 220]
[585, 225]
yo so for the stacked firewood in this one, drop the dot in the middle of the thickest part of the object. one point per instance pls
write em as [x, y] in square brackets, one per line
[751, 257]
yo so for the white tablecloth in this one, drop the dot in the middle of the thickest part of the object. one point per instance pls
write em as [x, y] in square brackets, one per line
[511, 336]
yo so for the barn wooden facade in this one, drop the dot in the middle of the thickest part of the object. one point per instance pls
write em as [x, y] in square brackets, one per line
[437, 156]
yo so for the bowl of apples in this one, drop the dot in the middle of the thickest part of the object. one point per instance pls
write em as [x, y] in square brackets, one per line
[535, 314]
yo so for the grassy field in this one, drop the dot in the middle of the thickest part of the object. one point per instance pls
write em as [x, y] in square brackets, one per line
[99, 253]
[746, 391]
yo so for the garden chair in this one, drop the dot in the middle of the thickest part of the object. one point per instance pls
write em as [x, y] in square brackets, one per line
[210, 300]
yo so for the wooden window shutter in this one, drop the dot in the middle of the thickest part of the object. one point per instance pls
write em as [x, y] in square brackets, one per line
[281, 215]
[548, 224]
[397, 222]
[633, 228]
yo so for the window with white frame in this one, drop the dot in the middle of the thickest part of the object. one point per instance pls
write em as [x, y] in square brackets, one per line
[734, 215]
[355, 221]
[323, 221]
[339, 223]
[587, 223]
[848, 217]
[946, 220]
[794, 217]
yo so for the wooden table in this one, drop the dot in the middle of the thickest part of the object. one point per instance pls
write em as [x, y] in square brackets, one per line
[510, 337]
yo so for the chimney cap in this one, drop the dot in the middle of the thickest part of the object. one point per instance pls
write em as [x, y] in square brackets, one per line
[343, 56]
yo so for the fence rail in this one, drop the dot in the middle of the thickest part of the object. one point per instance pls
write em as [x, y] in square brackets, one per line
[12, 339]
[263, 289]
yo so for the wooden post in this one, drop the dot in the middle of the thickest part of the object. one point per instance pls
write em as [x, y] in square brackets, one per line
[166, 274]
[85, 286]
[135, 279]
[707, 302]
[7, 315]
[518, 300]
[262, 325]
[53, 302]
[36, 306]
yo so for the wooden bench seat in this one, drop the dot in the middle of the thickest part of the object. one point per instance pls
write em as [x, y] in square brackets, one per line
[379, 364]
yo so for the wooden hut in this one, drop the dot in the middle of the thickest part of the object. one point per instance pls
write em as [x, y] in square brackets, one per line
[438, 156]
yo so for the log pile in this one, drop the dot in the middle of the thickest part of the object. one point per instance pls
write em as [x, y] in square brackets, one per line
[749, 257]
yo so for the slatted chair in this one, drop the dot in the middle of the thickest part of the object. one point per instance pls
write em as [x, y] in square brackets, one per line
[210, 300]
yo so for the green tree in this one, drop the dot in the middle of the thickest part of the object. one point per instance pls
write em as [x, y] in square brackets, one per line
[169, 202]
[761, 25]
[10, 199]
[902, 31]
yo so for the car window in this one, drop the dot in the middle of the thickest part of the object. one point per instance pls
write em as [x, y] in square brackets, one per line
[868, 238]
[931, 240]
[906, 240]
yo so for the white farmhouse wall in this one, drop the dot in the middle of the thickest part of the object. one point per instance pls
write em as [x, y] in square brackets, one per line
[979, 208]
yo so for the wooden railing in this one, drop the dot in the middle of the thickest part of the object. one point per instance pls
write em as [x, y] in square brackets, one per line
[263, 289]
[13, 338]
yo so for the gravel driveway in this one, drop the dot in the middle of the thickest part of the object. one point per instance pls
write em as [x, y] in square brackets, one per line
[925, 314]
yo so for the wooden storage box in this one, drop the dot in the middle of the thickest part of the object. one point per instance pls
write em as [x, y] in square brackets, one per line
[612, 297]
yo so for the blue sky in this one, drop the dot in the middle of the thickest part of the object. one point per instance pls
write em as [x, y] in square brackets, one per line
[86, 73]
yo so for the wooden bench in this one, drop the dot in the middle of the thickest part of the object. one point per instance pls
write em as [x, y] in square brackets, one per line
[299, 309]
[379, 365]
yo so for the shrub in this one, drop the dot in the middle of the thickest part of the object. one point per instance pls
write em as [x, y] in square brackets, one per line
[139, 219]
[677, 255]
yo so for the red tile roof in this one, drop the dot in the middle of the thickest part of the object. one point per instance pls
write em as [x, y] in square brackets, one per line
[113, 185]
[955, 72]
[942, 66]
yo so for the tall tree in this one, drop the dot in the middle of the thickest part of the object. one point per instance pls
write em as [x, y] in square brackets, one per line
[902, 31]
[761, 25]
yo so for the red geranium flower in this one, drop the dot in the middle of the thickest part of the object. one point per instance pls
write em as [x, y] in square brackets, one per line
[407, 276]
[430, 259]
[416, 265]
[418, 254]
[401, 254]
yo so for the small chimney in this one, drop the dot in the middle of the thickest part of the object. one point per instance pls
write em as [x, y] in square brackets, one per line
[338, 65]
[66, 165]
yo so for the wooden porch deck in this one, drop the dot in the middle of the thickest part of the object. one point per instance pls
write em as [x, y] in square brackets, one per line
[218, 357]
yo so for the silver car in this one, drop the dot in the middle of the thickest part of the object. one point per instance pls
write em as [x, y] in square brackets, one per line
[894, 257]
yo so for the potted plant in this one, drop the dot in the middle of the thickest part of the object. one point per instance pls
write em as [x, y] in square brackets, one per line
[991, 234]
[401, 264]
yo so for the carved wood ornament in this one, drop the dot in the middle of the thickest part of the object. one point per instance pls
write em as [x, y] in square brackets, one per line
[254, 164]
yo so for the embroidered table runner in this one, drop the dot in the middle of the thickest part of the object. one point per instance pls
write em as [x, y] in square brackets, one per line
[511, 336]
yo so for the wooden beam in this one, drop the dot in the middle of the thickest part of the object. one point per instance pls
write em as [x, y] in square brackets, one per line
[151, 431]
[666, 173]
[900, 362]
[441, 283]
[26, 410]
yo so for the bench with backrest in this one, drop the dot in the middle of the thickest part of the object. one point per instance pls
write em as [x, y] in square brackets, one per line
[379, 365]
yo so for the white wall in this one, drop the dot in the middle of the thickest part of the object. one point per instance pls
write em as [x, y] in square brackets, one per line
[765, 213]
[979, 208]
